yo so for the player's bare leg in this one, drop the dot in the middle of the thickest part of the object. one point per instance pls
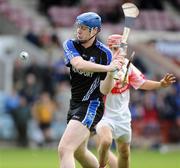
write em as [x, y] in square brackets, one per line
[85, 157]
[112, 160]
[112, 157]
[105, 139]
[123, 155]
[70, 142]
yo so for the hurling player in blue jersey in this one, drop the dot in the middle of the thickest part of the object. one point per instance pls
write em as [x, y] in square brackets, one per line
[91, 75]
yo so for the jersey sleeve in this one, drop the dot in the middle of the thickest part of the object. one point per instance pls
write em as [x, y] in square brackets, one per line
[69, 51]
[136, 78]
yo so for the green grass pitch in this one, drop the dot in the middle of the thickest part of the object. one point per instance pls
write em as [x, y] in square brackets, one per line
[48, 158]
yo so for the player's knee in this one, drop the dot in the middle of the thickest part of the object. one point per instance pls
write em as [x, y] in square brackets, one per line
[62, 150]
[106, 142]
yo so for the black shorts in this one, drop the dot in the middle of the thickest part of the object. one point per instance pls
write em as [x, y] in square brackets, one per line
[88, 113]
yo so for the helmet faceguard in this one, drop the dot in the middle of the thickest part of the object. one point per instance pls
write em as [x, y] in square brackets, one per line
[114, 40]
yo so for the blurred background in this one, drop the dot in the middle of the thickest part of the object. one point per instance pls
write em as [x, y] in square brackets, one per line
[34, 95]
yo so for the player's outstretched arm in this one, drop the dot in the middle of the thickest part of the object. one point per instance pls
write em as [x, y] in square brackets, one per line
[166, 81]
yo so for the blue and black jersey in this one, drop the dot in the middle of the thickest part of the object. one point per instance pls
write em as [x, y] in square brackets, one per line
[86, 103]
[85, 85]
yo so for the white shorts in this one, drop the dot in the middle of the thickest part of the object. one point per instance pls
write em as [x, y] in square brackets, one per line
[120, 130]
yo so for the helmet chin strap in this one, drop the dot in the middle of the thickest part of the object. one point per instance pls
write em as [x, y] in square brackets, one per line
[85, 41]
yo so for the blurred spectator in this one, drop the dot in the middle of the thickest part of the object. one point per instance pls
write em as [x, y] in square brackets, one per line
[33, 38]
[34, 68]
[18, 109]
[151, 128]
[170, 104]
[44, 38]
[169, 116]
[63, 96]
[47, 79]
[21, 116]
[164, 121]
[12, 101]
[43, 111]
[31, 89]
[177, 98]
[18, 74]
[54, 49]
[145, 122]
[3, 98]
[150, 111]
[61, 71]
[55, 41]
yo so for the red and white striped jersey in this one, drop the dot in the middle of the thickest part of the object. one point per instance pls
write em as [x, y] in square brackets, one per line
[117, 102]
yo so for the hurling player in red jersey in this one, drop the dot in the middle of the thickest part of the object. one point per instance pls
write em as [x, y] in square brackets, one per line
[116, 121]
